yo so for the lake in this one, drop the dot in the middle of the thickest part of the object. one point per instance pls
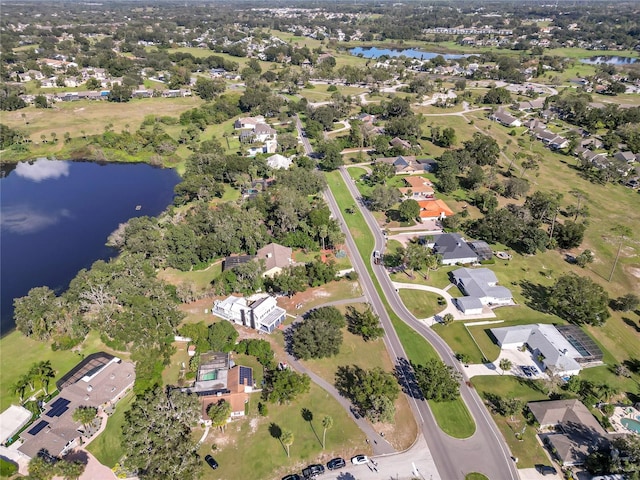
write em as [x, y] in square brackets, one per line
[373, 52]
[55, 218]
[612, 60]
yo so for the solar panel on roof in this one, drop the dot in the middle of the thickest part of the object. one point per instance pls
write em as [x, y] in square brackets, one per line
[246, 374]
[58, 407]
[39, 426]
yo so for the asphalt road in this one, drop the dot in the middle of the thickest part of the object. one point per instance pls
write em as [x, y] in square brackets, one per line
[485, 451]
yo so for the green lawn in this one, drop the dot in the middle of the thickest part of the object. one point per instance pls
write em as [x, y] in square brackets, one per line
[528, 450]
[420, 303]
[201, 279]
[16, 346]
[248, 450]
[107, 447]
[453, 418]
[416, 347]
[458, 338]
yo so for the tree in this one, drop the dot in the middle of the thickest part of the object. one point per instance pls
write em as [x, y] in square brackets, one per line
[70, 470]
[584, 258]
[282, 386]
[119, 94]
[381, 172]
[482, 149]
[382, 197]
[569, 234]
[622, 231]
[209, 89]
[157, 435]
[372, 392]
[497, 96]
[505, 406]
[20, 386]
[579, 300]
[222, 336]
[319, 335]
[41, 468]
[364, 323]
[505, 364]
[437, 381]
[40, 101]
[447, 319]
[287, 439]
[409, 210]
[327, 423]
[627, 302]
[45, 374]
[219, 413]
[84, 415]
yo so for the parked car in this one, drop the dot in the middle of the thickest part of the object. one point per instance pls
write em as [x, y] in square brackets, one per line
[336, 463]
[211, 461]
[360, 460]
[546, 469]
[313, 470]
[293, 476]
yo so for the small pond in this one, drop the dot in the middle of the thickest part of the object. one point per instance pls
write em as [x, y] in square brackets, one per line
[373, 52]
[611, 60]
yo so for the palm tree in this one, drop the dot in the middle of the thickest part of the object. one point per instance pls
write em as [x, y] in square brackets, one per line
[287, 439]
[505, 364]
[84, 415]
[20, 386]
[45, 373]
[431, 263]
[327, 423]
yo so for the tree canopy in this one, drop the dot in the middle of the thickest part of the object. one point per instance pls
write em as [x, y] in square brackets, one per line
[438, 381]
[319, 335]
[373, 392]
[579, 300]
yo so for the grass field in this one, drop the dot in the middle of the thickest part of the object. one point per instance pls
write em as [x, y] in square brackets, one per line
[91, 117]
[528, 449]
[15, 346]
[368, 355]
[247, 449]
[416, 347]
[107, 447]
[420, 303]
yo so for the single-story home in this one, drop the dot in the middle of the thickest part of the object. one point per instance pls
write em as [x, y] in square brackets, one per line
[434, 208]
[276, 257]
[577, 433]
[481, 283]
[548, 345]
[505, 119]
[453, 249]
[99, 380]
[263, 314]
[418, 188]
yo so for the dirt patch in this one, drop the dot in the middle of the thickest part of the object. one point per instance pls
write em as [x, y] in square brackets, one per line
[633, 271]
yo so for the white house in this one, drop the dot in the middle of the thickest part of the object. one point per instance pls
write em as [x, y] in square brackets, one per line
[278, 162]
[546, 343]
[482, 284]
[505, 119]
[248, 122]
[263, 132]
[263, 314]
[453, 249]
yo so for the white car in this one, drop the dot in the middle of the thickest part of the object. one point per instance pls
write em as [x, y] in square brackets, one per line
[360, 460]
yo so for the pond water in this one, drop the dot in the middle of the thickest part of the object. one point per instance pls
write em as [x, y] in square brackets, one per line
[55, 217]
[373, 52]
[611, 60]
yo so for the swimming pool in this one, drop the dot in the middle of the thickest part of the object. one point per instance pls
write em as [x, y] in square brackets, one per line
[631, 424]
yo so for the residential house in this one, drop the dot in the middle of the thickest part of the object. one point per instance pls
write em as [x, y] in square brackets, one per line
[279, 162]
[263, 132]
[100, 380]
[481, 284]
[404, 164]
[560, 350]
[276, 257]
[418, 188]
[263, 314]
[505, 118]
[218, 378]
[453, 249]
[529, 105]
[248, 122]
[628, 157]
[400, 143]
[575, 431]
[434, 208]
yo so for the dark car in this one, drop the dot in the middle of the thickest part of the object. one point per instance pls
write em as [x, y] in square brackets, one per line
[211, 461]
[336, 463]
[313, 470]
[546, 469]
[293, 476]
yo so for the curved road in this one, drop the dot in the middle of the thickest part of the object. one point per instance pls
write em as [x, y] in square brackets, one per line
[485, 451]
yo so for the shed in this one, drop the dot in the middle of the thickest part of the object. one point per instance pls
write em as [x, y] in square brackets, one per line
[469, 305]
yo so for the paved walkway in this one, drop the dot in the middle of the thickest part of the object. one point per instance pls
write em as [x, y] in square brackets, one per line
[450, 308]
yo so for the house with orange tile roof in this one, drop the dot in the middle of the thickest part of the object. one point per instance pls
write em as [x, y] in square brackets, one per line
[418, 188]
[434, 208]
